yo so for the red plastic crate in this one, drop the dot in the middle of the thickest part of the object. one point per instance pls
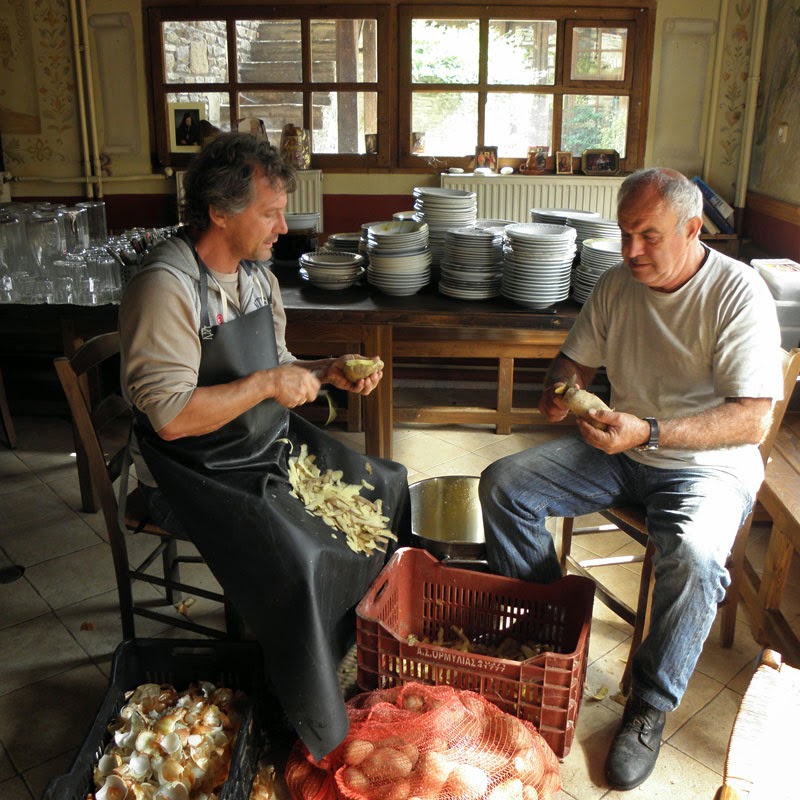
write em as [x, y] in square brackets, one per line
[415, 594]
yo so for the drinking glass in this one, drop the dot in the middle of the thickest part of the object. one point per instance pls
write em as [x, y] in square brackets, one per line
[98, 230]
[76, 223]
[45, 240]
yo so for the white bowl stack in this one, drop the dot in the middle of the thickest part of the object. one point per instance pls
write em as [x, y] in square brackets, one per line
[537, 266]
[444, 209]
[399, 256]
[330, 270]
[342, 243]
[472, 263]
[597, 255]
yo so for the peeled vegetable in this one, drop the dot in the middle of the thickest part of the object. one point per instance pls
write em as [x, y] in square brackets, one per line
[579, 402]
[357, 368]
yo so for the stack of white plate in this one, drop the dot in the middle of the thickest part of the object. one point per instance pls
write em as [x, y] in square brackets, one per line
[561, 216]
[537, 266]
[399, 257]
[597, 255]
[444, 209]
[332, 271]
[599, 228]
[472, 263]
[588, 224]
[343, 242]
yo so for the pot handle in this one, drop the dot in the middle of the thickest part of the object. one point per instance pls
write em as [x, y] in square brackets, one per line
[479, 564]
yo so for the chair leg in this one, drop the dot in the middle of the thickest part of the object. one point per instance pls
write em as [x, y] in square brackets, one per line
[643, 608]
[5, 416]
[568, 525]
[172, 571]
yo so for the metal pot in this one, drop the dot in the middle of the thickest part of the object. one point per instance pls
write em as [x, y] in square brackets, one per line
[446, 519]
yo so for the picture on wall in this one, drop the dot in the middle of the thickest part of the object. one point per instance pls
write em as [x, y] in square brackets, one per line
[185, 131]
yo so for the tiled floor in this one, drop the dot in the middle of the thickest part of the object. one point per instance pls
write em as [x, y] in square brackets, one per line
[59, 625]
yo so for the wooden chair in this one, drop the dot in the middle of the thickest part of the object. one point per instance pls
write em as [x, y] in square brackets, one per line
[760, 760]
[5, 417]
[109, 416]
[631, 520]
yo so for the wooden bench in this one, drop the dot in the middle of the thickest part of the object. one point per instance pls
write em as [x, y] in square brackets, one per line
[780, 498]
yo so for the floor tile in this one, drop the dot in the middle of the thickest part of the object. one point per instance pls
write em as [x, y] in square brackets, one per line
[15, 789]
[38, 540]
[65, 580]
[72, 699]
[35, 650]
[705, 736]
[21, 602]
[422, 452]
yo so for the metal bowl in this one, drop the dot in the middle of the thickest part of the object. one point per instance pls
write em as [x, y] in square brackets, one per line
[446, 517]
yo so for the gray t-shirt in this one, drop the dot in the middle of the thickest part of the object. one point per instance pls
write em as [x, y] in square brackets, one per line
[670, 355]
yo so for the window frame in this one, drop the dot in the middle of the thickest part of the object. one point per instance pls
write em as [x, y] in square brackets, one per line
[159, 13]
[638, 19]
[393, 80]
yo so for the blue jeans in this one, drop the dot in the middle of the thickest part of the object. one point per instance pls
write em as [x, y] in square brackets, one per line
[692, 514]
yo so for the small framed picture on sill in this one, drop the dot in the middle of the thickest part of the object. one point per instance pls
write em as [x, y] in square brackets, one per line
[563, 162]
[486, 157]
[185, 132]
[600, 162]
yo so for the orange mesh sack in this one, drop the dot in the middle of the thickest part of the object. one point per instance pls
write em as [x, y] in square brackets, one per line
[419, 742]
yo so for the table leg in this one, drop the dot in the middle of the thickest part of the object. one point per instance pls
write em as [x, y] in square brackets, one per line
[379, 404]
[5, 417]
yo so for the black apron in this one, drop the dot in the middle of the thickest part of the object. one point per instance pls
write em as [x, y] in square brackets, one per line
[293, 582]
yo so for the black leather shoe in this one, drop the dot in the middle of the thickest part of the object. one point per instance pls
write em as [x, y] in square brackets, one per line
[634, 750]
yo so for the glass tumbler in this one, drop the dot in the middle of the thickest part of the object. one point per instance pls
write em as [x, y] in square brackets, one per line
[45, 240]
[98, 230]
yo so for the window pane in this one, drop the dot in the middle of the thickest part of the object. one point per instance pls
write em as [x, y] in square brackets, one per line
[268, 51]
[344, 50]
[594, 121]
[448, 120]
[195, 52]
[340, 120]
[598, 54]
[216, 108]
[444, 51]
[515, 122]
[275, 108]
[522, 51]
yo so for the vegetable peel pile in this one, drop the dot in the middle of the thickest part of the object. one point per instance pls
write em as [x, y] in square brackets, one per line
[509, 648]
[340, 505]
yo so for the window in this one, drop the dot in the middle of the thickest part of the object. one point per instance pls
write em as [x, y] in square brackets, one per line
[415, 86]
[291, 67]
[516, 77]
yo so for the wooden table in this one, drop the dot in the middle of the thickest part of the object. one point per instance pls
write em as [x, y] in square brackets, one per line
[426, 325]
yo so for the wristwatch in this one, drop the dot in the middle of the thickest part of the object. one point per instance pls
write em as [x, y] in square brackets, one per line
[652, 442]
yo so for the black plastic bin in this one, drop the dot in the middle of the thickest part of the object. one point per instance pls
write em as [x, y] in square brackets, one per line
[238, 665]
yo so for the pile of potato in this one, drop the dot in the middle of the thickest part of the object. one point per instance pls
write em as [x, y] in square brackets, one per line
[432, 742]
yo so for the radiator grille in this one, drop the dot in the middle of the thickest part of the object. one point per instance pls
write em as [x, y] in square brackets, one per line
[513, 196]
[307, 197]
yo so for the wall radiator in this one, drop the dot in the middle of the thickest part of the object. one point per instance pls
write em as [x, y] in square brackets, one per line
[513, 196]
[307, 197]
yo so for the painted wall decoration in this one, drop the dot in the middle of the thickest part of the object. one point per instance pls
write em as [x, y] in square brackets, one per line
[37, 76]
[775, 167]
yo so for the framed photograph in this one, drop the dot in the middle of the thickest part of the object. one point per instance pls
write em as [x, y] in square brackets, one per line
[600, 162]
[563, 162]
[486, 156]
[185, 133]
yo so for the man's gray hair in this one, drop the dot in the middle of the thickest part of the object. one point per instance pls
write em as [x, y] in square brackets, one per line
[221, 176]
[682, 196]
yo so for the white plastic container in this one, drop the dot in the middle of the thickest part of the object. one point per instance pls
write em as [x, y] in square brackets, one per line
[782, 276]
